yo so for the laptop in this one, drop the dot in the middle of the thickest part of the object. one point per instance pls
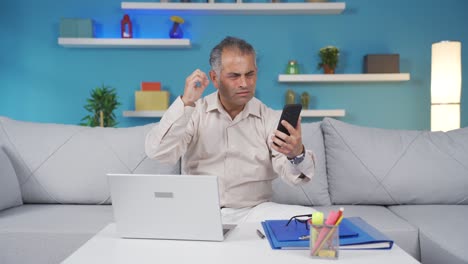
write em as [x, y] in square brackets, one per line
[184, 207]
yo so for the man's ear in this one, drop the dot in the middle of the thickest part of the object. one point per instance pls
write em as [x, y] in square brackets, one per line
[214, 78]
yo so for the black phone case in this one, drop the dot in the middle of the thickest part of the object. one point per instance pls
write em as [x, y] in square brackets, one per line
[291, 114]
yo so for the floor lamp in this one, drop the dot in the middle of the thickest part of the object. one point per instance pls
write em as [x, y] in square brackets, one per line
[445, 85]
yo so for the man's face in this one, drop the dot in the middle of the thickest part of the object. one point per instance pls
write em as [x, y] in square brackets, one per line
[237, 79]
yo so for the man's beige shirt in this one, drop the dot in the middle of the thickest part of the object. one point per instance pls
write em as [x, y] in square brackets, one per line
[237, 151]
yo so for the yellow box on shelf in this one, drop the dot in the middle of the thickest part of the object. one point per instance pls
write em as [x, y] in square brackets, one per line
[151, 100]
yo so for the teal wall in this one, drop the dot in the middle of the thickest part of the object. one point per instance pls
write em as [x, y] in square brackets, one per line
[44, 82]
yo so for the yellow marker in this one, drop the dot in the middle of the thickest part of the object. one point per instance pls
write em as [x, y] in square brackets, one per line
[317, 219]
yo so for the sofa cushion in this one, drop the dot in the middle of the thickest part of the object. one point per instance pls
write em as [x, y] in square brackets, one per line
[442, 231]
[10, 194]
[67, 164]
[390, 167]
[38, 233]
[315, 192]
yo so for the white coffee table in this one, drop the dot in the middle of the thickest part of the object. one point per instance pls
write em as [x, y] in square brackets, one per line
[241, 246]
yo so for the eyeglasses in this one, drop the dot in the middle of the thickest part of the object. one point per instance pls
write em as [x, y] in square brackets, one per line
[301, 219]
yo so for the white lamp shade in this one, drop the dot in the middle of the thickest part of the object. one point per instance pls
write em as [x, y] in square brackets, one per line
[445, 117]
[446, 72]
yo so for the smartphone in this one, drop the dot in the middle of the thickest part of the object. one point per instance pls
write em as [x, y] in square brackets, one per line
[291, 114]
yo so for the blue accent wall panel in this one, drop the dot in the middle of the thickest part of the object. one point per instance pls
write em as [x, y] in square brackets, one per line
[43, 82]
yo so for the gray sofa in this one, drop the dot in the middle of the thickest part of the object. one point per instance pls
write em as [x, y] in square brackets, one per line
[411, 185]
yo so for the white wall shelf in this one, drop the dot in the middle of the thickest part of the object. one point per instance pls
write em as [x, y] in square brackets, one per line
[304, 113]
[123, 43]
[365, 77]
[323, 113]
[238, 8]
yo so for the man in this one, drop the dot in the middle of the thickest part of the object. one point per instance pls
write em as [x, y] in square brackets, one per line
[230, 133]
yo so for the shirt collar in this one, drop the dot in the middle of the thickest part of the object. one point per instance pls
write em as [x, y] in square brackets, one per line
[251, 108]
[212, 102]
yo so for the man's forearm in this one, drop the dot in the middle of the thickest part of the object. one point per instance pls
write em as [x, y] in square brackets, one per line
[167, 141]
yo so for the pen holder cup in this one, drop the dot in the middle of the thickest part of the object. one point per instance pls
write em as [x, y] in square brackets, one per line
[324, 241]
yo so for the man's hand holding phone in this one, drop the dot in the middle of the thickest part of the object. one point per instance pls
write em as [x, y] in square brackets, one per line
[287, 139]
[195, 85]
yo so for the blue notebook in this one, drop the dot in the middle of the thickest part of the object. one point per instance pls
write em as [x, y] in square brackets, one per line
[283, 236]
[368, 236]
[354, 232]
[295, 230]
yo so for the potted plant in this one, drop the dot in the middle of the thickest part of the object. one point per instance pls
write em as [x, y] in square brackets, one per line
[329, 59]
[101, 106]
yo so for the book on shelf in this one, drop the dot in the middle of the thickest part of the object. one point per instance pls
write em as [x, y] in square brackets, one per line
[354, 232]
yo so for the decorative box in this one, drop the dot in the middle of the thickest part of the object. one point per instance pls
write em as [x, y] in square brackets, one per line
[76, 28]
[382, 63]
[151, 100]
[150, 86]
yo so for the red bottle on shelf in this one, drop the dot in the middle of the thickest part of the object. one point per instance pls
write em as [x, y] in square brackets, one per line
[126, 27]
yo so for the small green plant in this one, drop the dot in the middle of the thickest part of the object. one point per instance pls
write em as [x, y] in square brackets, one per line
[101, 105]
[329, 56]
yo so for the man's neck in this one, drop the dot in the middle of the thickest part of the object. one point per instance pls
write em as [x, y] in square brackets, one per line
[232, 111]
